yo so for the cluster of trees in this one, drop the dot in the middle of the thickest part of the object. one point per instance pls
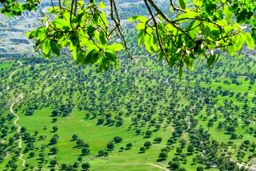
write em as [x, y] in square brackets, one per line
[126, 96]
[149, 114]
[147, 97]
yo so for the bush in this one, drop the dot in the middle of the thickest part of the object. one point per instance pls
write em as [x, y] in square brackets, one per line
[128, 146]
[142, 149]
[163, 156]
[147, 144]
[174, 165]
[85, 166]
[158, 140]
[85, 151]
[148, 134]
[102, 153]
[200, 168]
[110, 146]
[117, 139]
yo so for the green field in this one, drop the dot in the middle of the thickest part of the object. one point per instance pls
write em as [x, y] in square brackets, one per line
[212, 110]
[6, 65]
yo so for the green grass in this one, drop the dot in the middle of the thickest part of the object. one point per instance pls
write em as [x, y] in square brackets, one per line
[43, 85]
[96, 136]
[6, 65]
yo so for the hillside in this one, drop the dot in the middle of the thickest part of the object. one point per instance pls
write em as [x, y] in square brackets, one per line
[140, 117]
[58, 115]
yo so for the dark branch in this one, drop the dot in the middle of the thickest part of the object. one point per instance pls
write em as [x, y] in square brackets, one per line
[167, 19]
[157, 31]
[115, 17]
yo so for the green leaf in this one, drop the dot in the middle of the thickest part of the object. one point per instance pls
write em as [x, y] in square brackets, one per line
[231, 50]
[90, 30]
[79, 56]
[116, 47]
[46, 48]
[223, 23]
[102, 5]
[227, 13]
[147, 43]
[61, 24]
[140, 18]
[74, 52]
[104, 18]
[104, 63]
[249, 41]
[79, 17]
[32, 34]
[211, 60]
[36, 33]
[171, 9]
[153, 43]
[55, 48]
[239, 41]
[140, 26]
[198, 2]
[182, 3]
[141, 37]
[92, 57]
[103, 39]
[112, 57]
[180, 71]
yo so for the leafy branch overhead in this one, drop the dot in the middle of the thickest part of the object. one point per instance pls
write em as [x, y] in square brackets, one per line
[84, 30]
[189, 30]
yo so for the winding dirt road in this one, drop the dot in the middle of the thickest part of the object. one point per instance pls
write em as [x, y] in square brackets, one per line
[13, 102]
[20, 97]
[14, 72]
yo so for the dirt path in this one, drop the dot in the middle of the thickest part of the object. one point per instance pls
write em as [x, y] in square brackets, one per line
[159, 166]
[13, 102]
[12, 74]
[140, 164]
[20, 97]
[20, 63]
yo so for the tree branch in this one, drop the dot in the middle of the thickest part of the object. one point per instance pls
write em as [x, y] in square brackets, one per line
[152, 3]
[52, 5]
[157, 31]
[175, 8]
[60, 4]
[115, 17]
